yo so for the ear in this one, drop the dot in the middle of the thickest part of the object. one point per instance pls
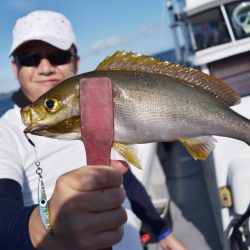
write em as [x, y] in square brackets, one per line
[15, 69]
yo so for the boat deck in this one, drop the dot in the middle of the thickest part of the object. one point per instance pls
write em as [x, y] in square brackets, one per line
[194, 221]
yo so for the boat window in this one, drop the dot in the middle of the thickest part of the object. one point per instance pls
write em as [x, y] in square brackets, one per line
[209, 29]
[239, 15]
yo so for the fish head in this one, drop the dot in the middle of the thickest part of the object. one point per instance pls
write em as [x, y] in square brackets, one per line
[55, 114]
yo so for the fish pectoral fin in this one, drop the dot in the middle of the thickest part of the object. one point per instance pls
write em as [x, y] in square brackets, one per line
[128, 153]
[199, 147]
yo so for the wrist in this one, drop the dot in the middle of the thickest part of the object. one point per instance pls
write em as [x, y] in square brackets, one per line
[164, 235]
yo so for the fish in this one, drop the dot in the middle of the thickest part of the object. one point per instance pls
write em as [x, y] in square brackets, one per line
[154, 101]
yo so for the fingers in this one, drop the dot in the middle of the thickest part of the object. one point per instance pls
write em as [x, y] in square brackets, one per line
[121, 166]
[97, 222]
[103, 240]
[91, 178]
[87, 205]
[101, 200]
[109, 238]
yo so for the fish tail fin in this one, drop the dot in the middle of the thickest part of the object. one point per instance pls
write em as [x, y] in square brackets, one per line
[199, 147]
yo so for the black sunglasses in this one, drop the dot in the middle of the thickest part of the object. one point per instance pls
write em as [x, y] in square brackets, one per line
[58, 57]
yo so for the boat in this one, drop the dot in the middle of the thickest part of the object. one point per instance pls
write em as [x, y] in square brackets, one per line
[214, 37]
[208, 200]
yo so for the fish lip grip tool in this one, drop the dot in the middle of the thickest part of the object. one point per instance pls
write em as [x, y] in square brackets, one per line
[97, 120]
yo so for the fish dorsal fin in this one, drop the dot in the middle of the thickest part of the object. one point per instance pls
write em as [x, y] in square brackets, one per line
[129, 61]
[199, 147]
[128, 153]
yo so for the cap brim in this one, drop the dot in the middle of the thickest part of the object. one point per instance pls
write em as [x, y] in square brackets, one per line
[58, 43]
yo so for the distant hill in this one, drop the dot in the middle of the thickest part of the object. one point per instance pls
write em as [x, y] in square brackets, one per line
[5, 95]
[5, 102]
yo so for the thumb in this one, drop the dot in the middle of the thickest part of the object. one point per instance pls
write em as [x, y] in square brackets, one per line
[121, 166]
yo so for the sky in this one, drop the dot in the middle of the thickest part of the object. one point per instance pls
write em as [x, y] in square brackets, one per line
[101, 27]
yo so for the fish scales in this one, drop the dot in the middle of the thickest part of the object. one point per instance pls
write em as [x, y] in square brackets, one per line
[150, 106]
[164, 110]
[141, 114]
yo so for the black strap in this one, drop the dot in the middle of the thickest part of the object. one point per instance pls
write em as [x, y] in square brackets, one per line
[236, 238]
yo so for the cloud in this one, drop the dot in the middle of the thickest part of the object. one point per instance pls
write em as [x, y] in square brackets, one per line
[20, 4]
[107, 43]
[116, 41]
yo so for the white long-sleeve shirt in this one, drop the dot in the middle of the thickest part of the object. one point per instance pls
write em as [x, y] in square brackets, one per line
[17, 162]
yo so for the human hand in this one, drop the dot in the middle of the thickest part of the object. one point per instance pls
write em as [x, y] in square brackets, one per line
[171, 243]
[85, 209]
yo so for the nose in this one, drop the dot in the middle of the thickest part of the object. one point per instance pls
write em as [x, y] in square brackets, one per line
[45, 67]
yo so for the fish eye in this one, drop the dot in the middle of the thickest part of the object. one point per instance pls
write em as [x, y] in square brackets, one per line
[52, 105]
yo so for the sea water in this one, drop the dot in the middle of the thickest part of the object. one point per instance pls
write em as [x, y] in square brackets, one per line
[5, 104]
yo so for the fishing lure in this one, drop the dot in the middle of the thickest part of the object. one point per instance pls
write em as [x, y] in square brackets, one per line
[42, 199]
[43, 204]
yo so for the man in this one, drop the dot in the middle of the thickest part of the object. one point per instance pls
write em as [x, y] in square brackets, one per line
[85, 203]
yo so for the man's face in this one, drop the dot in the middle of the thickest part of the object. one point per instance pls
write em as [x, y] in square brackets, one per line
[36, 80]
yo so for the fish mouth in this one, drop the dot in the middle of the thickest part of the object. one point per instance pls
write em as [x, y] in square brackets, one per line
[30, 120]
[32, 129]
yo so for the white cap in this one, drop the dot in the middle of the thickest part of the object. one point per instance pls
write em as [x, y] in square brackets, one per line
[48, 26]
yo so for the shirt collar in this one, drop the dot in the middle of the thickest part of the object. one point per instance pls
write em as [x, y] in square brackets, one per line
[20, 99]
